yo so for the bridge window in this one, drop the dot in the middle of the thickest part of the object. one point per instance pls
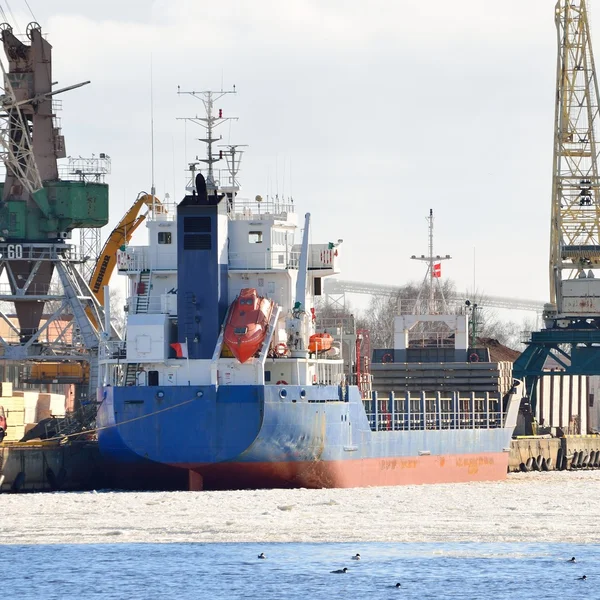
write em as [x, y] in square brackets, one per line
[164, 237]
[255, 237]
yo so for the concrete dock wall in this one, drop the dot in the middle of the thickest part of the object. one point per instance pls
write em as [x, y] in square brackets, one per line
[545, 453]
[45, 466]
[534, 453]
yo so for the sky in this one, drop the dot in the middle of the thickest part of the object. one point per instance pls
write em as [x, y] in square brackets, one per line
[367, 113]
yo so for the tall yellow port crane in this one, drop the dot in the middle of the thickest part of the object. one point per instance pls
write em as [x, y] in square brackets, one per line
[575, 222]
[572, 318]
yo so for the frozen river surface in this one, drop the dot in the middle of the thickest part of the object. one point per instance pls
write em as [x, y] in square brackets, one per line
[533, 507]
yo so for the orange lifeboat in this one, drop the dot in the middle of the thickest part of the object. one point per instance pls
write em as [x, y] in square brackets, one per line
[320, 342]
[246, 325]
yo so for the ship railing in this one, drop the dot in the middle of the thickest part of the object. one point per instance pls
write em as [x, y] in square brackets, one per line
[420, 412]
[329, 373]
[431, 339]
[250, 210]
[336, 324]
[266, 260]
[164, 304]
[420, 306]
[320, 256]
[138, 258]
[165, 211]
[365, 385]
[318, 259]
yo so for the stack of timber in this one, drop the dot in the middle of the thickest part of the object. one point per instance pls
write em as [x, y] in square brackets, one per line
[24, 409]
[493, 377]
[13, 406]
[59, 463]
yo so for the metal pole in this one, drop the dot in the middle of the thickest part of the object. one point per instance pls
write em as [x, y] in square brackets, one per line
[107, 311]
[487, 409]
[431, 294]
[456, 409]
[374, 398]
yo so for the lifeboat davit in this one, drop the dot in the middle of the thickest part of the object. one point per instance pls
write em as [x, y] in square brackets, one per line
[320, 342]
[246, 325]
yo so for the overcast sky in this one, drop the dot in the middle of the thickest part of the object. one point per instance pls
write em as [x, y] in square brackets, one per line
[369, 113]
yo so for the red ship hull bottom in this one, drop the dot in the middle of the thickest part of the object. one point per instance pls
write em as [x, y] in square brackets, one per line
[349, 473]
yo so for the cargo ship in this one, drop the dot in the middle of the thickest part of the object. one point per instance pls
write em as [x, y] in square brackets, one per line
[226, 377]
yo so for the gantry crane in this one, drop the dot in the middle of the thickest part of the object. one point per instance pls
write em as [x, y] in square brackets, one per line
[572, 318]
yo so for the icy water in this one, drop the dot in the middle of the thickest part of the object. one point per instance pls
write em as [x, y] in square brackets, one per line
[300, 571]
[530, 508]
[505, 540]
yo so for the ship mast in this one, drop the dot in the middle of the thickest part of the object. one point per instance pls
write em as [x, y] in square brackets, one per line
[233, 156]
[208, 123]
[433, 273]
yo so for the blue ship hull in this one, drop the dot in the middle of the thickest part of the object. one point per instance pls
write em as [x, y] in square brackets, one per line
[267, 436]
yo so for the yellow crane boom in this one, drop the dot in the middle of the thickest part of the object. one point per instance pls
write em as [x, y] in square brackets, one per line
[121, 234]
[73, 372]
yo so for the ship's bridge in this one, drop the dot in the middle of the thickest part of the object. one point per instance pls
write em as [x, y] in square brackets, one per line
[161, 252]
[261, 238]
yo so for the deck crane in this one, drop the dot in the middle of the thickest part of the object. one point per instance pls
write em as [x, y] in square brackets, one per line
[572, 318]
[120, 235]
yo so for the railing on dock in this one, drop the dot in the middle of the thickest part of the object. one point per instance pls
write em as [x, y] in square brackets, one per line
[419, 412]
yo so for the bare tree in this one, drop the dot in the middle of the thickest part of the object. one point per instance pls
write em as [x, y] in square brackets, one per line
[489, 324]
[411, 298]
[117, 314]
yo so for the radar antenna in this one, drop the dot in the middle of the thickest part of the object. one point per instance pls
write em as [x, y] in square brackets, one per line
[209, 123]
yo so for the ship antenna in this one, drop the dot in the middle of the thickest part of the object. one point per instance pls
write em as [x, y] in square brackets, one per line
[434, 273]
[209, 123]
[233, 156]
[153, 187]
[431, 275]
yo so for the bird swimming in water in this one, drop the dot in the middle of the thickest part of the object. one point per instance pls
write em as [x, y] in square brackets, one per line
[262, 555]
[356, 556]
[582, 578]
[344, 570]
[398, 585]
[572, 560]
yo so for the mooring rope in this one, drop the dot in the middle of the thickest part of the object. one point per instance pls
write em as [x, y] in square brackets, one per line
[97, 429]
